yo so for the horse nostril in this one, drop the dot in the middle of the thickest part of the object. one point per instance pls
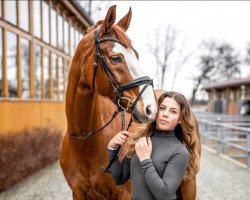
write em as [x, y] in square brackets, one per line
[148, 110]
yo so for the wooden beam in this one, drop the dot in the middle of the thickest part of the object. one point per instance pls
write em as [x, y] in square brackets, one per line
[42, 74]
[50, 76]
[50, 7]
[19, 67]
[32, 53]
[79, 16]
[18, 13]
[5, 79]
[64, 78]
[42, 18]
[57, 77]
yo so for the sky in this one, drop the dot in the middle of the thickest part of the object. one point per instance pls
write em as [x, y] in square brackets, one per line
[223, 21]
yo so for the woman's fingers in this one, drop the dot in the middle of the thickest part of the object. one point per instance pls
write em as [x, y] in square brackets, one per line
[119, 139]
[143, 142]
[123, 137]
[125, 133]
[122, 140]
[149, 142]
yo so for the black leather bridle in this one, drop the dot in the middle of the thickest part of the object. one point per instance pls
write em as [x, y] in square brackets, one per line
[145, 80]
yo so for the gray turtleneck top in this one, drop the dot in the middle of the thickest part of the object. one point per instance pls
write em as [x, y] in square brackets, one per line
[158, 177]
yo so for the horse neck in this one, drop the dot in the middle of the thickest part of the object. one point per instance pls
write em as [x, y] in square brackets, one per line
[88, 112]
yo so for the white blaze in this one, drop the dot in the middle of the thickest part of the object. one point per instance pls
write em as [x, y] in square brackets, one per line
[135, 70]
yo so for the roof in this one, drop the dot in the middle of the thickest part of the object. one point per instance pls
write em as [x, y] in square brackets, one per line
[78, 11]
[228, 84]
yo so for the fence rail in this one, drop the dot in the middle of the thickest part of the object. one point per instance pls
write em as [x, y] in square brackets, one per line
[228, 135]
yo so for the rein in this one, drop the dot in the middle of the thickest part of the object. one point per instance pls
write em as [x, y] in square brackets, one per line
[145, 80]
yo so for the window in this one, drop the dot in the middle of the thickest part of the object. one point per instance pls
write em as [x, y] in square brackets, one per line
[67, 67]
[248, 91]
[10, 14]
[76, 37]
[45, 21]
[53, 27]
[60, 32]
[38, 72]
[24, 15]
[231, 95]
[25, 68]
[37, 18]
[60, 78]
[80, 36]
[54, 75]
[66, 37]
[46, 73]
[12, 64]
[243, 91]
[72, 41]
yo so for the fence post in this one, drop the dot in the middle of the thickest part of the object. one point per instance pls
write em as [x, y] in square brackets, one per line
[220, 136]
[248, 148]
[203, 131]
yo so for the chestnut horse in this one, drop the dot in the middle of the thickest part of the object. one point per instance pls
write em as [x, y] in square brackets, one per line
[105, 77]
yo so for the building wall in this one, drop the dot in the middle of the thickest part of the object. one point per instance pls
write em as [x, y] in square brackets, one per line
[18, 115]
[231, 96]
[37, 42]
[232, 108]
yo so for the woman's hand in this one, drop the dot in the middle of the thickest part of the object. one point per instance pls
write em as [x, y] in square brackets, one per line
[119, 139]
[143, 148]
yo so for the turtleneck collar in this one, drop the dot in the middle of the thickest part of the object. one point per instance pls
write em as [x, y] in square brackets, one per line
[164, 133]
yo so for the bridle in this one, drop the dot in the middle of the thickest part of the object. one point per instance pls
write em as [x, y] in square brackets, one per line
[99, 57]
[105, 67]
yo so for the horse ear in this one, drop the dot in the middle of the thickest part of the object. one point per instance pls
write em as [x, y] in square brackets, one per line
[125, 21]
[109, 20]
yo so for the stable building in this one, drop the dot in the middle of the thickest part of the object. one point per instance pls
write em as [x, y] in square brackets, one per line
[228, 96]
[37, 42]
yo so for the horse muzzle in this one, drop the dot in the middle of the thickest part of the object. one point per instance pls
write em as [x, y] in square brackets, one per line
[145, 117]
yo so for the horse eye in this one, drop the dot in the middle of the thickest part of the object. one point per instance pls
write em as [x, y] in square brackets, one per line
[115, 59]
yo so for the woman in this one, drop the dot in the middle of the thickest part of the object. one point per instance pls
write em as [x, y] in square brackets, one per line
[161, 155]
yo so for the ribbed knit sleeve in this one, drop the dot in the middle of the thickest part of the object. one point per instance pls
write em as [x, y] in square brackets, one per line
[165, 187]
[120, 170]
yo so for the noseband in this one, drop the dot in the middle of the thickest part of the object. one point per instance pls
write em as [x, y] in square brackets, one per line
[145, 80]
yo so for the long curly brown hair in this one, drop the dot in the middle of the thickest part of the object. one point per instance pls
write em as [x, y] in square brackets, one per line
[186, 132]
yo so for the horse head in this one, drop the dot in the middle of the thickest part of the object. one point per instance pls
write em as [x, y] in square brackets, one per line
[111, 68]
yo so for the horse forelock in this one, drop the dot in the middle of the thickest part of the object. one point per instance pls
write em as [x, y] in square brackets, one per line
[121, 36]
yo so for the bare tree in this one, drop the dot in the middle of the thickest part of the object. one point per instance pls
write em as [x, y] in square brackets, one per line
[164, 49]
[180, 61]
[217, 62]
[228, 61]
[247, 59]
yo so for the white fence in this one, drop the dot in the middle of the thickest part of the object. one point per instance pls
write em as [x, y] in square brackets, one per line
[228, 135]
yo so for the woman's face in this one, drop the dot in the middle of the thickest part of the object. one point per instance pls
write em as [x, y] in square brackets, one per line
[168, 114]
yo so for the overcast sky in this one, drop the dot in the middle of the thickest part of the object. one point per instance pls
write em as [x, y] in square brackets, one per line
[227, 21]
